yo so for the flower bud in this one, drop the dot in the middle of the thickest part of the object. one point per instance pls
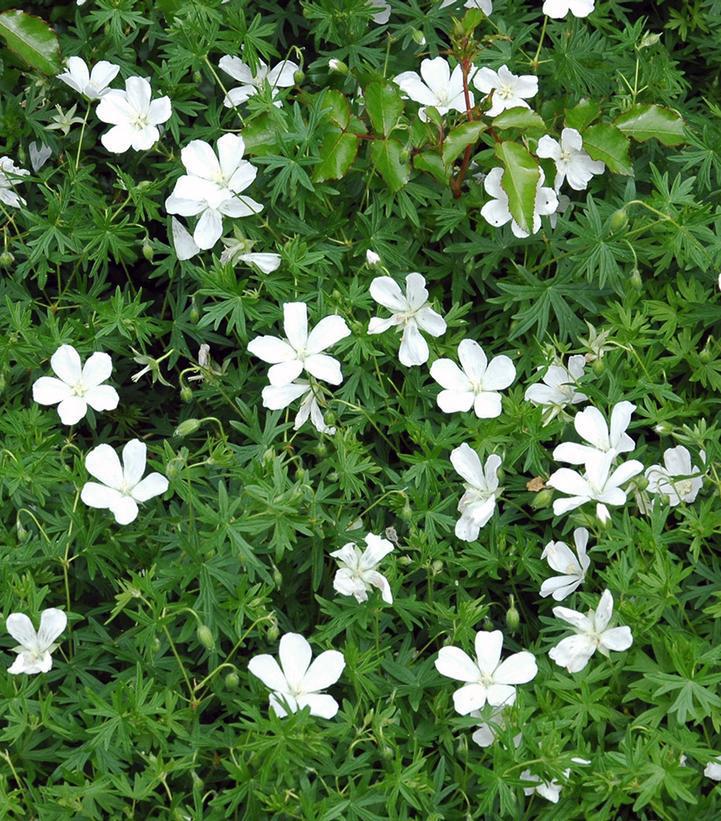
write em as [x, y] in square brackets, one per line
[636, 281]
[148, 251]
[194, 312]
[186, 394]
[542, 499]
[232, 680]
[641, 482]
[333, 475]
[298, 77]
[338, 66]
[273, 632]
[599, 366]
[321, 449]
[372, 258]
[21, 530]
[198, 782]
[513, 617]
[619, 220]
[436, 567]
[205, 636]
[155, 644]
[277, 577]
[407, 512]
[6, 259]
[186, 427]
[418, 37]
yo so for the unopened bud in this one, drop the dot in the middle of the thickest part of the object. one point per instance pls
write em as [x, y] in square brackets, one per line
[513, 617]
[277, 577]
[232, 680]
[619, 220]
[273, 632]
[599, 366]
[418, 37]
[6, 259]
[186, 394]
[542, 499]
[21, 531]
[436, 567]
[148, 251]
[205, 636]
[298, 77]
[372, 258]
[338, 66]
[186, 427]
[407, 512]
[636, 281]
[194, 312]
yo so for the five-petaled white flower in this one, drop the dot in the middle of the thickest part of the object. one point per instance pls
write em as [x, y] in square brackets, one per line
[591, 426]
[560, 8]
[550, 790]
[34, 648]
[301, 351]
[509, 90]
[476, 385]
[486, 6]
[478, 503]
[277, 397]
[487, 679]
[212, 188]
[297, 683]
[134, 116]
[572, 162]
[92, 84]
[592, 633]
[357, 572]
[383, 15]
[597, 484]
[497, 212]
[560, 557]
[437, 86]
[280, 76]
[411, 312]
[559, 387]
[77, 385]
[677, 478]
[122, 485]
[9, 174]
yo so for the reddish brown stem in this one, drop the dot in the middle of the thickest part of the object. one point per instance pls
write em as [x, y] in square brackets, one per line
[457, 183]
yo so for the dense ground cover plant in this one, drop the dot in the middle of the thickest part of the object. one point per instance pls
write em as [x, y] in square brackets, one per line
[360, 383]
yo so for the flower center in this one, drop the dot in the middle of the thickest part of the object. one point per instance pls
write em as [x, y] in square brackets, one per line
[565, 155]
[140, 121]
[486, 679]
[505, 92]
[684, 487]
[79, 389]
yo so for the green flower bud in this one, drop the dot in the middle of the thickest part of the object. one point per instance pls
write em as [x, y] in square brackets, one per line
[407, 512]
[273, 632]
[144, 184]
[333, 476]
[436, 567]
[21, 530]
[641, 482]
[513, 617]
[205, 636]
[418, 37]
[6, 259]
[321, 449]
[155, 644]
[298, 77]
[619, 220]
[186, 394]
[277, 577]
[148, 251]
[636, 281]
[198, 782]
[542, 499]
[187, 427]
[337, 66]
[232, 681]
[599, 366]
[194, 312]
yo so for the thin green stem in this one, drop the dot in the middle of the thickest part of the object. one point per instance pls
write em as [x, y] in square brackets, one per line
[82, 134]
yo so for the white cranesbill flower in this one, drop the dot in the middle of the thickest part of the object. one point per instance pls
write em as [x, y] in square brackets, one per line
[592, 633]
[280, 76]
[91, 83]
[436, 86]
[560, 8]
[509, 90]
[478, 503]
[713, 769]
[277, 397]
[357, 573]
[122, 485]
[212, 187]
[597, 484]
[486, 6]
[77, 386]
[573, 567]
[39, 154]
[237, 250]
[296, 683]
[34, 648]
[383, 15]
[558, 387]
[486, 679]
[677, 479]
[134, 116]
[9, 175]
[411, 312]
[591, 426]
[572, 162]
[476, 384]
[300, 350]
[550, 790]
[497, 212]
[372, 258]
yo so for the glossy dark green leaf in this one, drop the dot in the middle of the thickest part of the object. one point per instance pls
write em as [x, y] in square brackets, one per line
[32, 40]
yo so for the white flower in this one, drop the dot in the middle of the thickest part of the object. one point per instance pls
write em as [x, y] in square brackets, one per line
[560, 557]
[560, 8]
[301, 351]
[212, 187]
[134, 116]
[439, 87]
[558, 388]
[677, 479]
[591, 426]
[713, 769]
[9, 173]
[296, 683]
[596, 484]
[478, 503]
[410, 312]
[572, 162]
[238, 250]
[357, 574]
[384, 14]
[92, 84]
[77, 385]
[183, 242]
[123, 485]
[497, 213]
[277, 397]
[486, 6]
[487, 679]
[509, 90]
[372, 258]
[477, 385]
[280, 76]
[550, 790]
[39, 154]
[486, 732]
[34, 648]
[592, 633]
